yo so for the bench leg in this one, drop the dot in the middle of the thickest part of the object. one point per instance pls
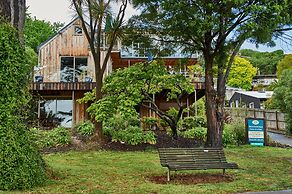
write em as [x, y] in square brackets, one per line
[224, 171]
[168, 175]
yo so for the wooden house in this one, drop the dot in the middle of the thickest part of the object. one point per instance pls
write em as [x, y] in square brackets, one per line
[65, 72]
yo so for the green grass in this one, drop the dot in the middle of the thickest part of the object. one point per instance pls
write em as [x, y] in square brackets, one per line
[262, 168]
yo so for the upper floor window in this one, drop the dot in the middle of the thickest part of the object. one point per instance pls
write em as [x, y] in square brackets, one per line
[78, 30]
[74, 69]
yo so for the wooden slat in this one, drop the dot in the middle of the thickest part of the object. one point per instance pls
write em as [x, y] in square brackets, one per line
[194, 158]
[47, 86]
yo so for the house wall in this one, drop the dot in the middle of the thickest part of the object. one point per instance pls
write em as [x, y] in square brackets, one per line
[244, 100]
[66, 43]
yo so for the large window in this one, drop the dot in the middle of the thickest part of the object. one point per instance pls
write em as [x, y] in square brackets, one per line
[53, 113]
[73, 69]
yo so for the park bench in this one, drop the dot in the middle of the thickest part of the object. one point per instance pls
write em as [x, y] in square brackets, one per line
[176, 159]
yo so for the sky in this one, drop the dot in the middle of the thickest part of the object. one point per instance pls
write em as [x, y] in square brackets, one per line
[47, 10]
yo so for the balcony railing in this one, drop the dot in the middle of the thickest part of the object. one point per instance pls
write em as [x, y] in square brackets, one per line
[43, 86]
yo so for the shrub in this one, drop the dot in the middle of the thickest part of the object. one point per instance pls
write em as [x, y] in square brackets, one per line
[131, 135]
[46, 139]
[199, 133]
[192, 122]
[149, 122]
[21, 165]
[85, 129]
[234, 133]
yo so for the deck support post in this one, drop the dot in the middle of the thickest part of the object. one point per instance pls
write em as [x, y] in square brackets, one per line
[168, 175]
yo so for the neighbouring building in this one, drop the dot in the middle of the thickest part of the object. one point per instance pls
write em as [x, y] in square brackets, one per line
[264, 80]
[249, 99]
[65, 72]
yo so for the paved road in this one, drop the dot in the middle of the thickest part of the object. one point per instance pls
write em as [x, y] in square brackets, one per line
[282, 139]
[271, 192]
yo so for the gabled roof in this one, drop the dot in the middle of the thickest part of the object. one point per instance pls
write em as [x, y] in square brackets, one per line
[58, 33]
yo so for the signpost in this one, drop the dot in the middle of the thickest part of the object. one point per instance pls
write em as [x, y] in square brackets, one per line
[256, 131]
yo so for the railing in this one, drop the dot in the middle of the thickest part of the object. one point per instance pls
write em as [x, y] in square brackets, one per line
[43, 86]
[48, 86]
[275, 120]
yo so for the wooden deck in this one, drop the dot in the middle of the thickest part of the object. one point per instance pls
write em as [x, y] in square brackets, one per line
[49, 86]
[79, 86]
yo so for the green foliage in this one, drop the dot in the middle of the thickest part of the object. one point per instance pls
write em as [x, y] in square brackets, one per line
[234, 133]
[32, 57]
[266, 62]
[59, 136]
[38, 31]
[126, 89]
[86, 128]
[199, 133]
[127, 130]
[282, 97]
[132, 135]
[21, 164]
[149, 122]
[285, 63]
[241, 74]
[192, 122]
[201, 109]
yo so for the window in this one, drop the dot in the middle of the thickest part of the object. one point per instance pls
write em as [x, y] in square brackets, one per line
[78, 30]
[56, 112]
[73, 69]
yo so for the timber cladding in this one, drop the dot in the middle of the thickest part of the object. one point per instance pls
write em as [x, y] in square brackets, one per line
[66, 43]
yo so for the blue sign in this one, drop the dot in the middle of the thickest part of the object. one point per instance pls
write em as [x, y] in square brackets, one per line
[256, 131]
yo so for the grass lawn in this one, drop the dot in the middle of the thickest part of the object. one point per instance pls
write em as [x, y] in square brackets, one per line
[262, 168]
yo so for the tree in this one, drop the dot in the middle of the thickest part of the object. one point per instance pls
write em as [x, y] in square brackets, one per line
[241, 74]
[282, 97]
[285, 63]
[13, 11]
[37, 31]
[128, 88]
[99, 13]
[266, 62]
[217, 29]
[21, 165]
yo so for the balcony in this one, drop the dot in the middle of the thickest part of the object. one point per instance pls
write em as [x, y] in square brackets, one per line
[62, 86]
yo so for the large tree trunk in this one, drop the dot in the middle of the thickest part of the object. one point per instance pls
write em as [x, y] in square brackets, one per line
[13, 11]
[214, 111]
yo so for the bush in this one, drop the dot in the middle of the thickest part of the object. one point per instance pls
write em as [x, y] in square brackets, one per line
[128, 131]
[21, 165]
[85, 129]
[234, 133]
[199, 133]
[192, 122]
[150, 122]
[131, 135]
[59, 136]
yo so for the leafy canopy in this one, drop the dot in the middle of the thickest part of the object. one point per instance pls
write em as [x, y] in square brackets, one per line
[127, 89]
[241, 74]
[38, 31]
[282, 97]
[266, 62]
[285, 63]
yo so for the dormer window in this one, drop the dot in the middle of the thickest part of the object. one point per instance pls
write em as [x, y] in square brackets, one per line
[78, 30]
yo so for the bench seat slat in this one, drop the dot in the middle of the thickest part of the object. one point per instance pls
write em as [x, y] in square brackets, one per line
[194, 159]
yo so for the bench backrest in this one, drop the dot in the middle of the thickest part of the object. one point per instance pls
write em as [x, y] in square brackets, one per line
[191, 155]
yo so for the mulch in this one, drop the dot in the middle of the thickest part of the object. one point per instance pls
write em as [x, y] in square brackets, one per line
[163, 141]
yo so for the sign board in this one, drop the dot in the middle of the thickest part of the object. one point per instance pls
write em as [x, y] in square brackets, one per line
[255, 131]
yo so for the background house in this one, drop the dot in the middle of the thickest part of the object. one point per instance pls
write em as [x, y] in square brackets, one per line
[249, 99]
[65, 73]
